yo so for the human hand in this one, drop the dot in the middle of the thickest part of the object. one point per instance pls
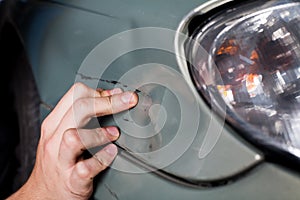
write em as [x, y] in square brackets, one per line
[60, 171]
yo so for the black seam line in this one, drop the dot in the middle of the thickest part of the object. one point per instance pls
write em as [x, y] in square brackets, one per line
[199, 184]
[113, 82]
[80, 8]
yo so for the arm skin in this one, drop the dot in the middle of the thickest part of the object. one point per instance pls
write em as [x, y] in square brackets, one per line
[60, 172]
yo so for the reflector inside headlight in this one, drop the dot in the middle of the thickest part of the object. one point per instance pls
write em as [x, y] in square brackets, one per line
[254, 68]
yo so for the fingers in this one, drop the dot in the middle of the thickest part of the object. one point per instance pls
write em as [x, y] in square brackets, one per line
[86, 108]
[84, 171]
[63, 139]
[77, 91]
[75, 141]
[106, 93]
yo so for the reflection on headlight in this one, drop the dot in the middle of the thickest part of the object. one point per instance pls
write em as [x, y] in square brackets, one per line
[255, 69]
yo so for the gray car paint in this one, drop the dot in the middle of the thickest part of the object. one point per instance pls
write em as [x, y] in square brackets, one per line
[58, 37]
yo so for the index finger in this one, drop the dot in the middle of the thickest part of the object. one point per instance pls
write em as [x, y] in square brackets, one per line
[77, 91]
[86, 108]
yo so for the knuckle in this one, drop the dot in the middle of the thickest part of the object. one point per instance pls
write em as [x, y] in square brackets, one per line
[71, 138]
[81, 105]
[78, 87]
[108, 104]
[100, 137]
[102, 164]
[84, 171]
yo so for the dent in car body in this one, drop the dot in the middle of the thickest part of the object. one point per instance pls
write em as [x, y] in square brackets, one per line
[60, 34]
[65, 44]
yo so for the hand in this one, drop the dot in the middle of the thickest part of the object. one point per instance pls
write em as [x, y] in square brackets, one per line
[60, 172]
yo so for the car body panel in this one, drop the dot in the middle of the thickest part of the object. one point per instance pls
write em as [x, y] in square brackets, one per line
[59, 35]
[264, 183]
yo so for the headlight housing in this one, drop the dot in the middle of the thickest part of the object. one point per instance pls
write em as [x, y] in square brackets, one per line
[253, 68]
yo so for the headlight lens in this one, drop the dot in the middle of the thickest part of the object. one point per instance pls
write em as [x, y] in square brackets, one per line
[254, 68]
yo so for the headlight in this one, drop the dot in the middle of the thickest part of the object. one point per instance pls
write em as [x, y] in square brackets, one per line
[254, 69]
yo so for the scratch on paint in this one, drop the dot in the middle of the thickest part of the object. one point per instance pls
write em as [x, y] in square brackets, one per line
[111, 192]
[114, 82]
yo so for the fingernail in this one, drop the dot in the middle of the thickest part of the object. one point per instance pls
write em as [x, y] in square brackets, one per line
[116, 91]
[127, 97]
[111, 149]
[113, 131]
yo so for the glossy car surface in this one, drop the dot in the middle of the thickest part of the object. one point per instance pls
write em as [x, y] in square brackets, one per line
[63, 39]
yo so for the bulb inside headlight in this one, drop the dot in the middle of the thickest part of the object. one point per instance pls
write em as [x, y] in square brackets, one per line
[254, 68]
